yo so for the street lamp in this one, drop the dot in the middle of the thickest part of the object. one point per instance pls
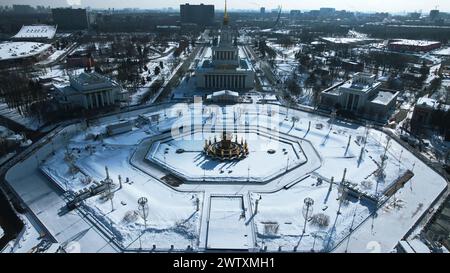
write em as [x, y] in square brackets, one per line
[143, 208]
[307, 210]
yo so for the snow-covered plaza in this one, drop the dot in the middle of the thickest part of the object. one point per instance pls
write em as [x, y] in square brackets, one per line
[308, 183]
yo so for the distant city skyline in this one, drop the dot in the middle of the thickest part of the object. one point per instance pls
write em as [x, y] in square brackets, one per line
[351, 5]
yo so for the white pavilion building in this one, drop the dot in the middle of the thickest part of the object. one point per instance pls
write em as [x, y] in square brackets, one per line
[89, 91]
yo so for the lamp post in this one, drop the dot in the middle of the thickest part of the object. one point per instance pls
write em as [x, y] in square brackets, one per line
[307, 210]
[143, 208]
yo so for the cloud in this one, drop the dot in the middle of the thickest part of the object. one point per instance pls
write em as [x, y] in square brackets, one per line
[74, 2]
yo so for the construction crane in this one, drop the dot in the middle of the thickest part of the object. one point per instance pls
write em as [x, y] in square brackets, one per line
[279, 13]
[278, 17]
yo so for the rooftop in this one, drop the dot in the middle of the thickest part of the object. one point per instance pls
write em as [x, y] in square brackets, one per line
[361, 82]
[345, 40]
[360, 86]
[225, 93]
[90, 78]
[413, 42]
[431, 103]
[17, 50]
[85, 82]
[383, 97]
[208, 65]
[36, 31]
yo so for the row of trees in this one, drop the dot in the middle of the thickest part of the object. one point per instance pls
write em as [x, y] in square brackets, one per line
[265, 50]
[24, 95]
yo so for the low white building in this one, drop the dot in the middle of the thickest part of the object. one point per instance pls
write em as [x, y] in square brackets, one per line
[361, 95]
[224, 96]
[13, 53]
[89, 91]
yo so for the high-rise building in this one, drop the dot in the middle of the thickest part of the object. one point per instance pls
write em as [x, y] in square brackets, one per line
[295, 13]
[197, 14]
[70, 19]
[434, 14]
[23, 9]
[414, 15]
[326, 11]
[262, 10]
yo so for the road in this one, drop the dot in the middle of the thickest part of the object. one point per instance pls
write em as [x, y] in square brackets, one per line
[175, 77]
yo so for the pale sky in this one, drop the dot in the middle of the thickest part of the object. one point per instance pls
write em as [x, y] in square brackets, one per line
[354, 5]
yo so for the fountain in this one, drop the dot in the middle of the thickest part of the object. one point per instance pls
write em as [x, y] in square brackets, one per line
[226, 148]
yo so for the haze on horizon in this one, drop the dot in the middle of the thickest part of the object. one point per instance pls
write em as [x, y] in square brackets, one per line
[352, 5]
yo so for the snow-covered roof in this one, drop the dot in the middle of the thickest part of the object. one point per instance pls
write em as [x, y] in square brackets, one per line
[443, 52]
[413, 42]
[418, 246]
[359, 86]
[426, 102]
[4, 132]
[17, 50]
[431, 103]
[90, 81]
[384, 97]
[225, 93]
[346, 40]
[36, 32]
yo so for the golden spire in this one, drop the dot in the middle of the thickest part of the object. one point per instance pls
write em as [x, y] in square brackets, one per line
[225, 16]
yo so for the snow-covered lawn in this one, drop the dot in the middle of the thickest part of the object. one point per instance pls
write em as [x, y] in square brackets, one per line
[227, 228]
[172, 216]
[13, 114]
[280, 217]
